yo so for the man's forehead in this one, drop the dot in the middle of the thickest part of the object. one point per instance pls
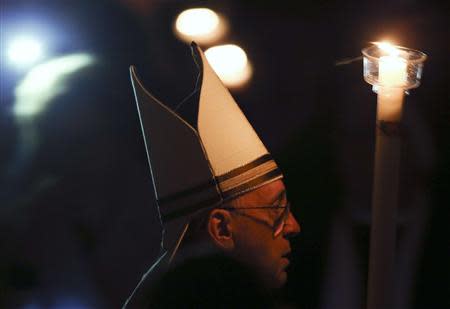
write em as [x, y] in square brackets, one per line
[275, 191]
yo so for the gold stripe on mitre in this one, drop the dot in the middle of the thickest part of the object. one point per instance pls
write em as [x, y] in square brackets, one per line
[249, 177]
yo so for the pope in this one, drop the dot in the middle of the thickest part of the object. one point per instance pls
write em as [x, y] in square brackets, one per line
[217, 188]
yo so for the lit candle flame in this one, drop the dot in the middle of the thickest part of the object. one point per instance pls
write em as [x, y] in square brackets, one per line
[388, 48]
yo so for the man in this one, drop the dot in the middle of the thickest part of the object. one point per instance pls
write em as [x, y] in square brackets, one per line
[217, 187]
[253, 228]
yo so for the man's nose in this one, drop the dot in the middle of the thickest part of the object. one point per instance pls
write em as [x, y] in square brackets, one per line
[292, 227]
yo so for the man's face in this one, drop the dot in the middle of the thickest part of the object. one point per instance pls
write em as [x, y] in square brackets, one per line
[255, 243]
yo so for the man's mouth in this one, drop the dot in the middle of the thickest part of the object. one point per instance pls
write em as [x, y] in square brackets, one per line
[287, 257]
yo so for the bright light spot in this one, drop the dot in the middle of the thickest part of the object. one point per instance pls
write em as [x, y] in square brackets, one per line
[388, 48]
[46, 81]
[197, 21]
[230, 63]
[24, 50]
[201, 24]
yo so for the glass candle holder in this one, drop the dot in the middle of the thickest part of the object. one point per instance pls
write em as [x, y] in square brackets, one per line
[398, 67]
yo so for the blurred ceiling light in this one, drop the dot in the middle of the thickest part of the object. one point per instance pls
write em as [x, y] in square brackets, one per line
[46, 81]
[230, 63]
[201, 25]
[24, 51]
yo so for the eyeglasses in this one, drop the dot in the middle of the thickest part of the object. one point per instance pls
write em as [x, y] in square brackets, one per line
[278, 224]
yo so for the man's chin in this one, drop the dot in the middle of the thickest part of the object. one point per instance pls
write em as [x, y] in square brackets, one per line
[282, 274]
[275, 279]
[278, 281]
[282, 278]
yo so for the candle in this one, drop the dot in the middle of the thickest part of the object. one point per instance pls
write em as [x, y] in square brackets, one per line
[391, 70]
[391, 80]
[392, 77]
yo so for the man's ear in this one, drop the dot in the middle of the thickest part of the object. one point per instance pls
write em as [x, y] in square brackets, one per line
[220, 229]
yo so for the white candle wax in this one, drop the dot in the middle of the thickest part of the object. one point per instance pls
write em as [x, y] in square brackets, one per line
[392, 76]
[392, 71]
[391, 81]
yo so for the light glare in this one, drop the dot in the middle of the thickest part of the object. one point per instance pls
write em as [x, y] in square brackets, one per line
[200, 24]
[24, 50]
[46, 81]
[387, 47]
[230, 63]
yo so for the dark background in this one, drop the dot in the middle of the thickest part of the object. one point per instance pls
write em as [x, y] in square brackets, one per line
[78, 224]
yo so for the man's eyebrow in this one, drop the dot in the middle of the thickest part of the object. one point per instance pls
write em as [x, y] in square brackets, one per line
[279, 197]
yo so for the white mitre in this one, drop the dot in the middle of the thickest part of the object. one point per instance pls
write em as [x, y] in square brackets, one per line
[202, 164]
